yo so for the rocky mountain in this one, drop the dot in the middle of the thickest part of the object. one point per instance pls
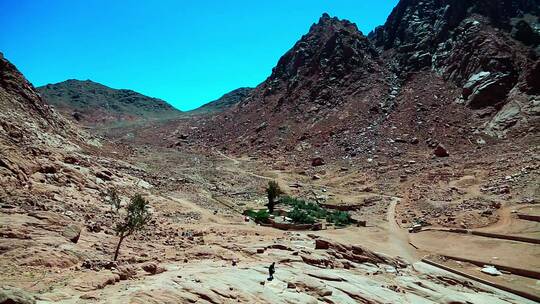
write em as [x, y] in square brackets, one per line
[315, 89]
[226, 101]
[489, 49]
[447, 71]
[92, 103]
[431, 120]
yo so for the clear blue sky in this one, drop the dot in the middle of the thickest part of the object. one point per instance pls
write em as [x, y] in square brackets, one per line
[185, 52]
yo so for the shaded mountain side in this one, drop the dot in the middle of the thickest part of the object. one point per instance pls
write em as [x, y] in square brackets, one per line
[338, 92]
[92, 103]
[224, 102]
[489, 49]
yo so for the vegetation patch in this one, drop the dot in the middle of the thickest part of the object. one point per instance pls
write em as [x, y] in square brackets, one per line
[308, 212]
[261, 216]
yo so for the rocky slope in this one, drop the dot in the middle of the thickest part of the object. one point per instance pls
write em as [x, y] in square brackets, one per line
[489, 49]
[437, 71]
[92, 103]
[28, 127]
[52, 176]
[224, 102]
[325, 83]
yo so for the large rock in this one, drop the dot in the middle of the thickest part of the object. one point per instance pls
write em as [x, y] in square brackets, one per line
[487, 89]
[440, 151]
[153, 268]
[317, 161]
[355, 253]
[92, 280]
[12, 295]
[126, 272]
[72, 233]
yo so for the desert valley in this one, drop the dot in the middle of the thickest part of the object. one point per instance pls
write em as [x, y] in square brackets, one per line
[402, 166]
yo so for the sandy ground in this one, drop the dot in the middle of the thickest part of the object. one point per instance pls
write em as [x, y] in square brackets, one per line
[205, 195]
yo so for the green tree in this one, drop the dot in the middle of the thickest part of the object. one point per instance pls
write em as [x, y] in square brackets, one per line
[135, 218]
[300, 216]
[272, 191]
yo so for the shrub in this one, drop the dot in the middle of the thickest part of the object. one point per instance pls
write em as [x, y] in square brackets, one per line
[300, 216]
[261, 216]
[339, 218]
[113, 199]
[312, 209]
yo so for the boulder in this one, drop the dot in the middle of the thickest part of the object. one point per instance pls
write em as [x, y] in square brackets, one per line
[72, 232]
[317, 161]
[12, 295]
[440, 151]
[153, 268]
[104, 175]
[126, 272]
[322, 244]
[92, 280]
[354, 253]
[71, 160]
[487, 89]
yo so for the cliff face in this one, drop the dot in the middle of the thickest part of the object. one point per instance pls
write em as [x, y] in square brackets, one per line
[489, 49]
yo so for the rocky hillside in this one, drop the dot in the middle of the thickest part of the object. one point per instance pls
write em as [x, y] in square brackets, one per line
[226, 101]
[488, 49]
[437, 71]
[43, 156]
[319, 86]
[28, 126]
[92, 103]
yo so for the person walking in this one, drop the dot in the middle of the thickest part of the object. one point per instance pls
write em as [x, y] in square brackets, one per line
[271, 271]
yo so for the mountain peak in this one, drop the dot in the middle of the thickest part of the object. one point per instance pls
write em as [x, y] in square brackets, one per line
[332, 47]
[328, 23]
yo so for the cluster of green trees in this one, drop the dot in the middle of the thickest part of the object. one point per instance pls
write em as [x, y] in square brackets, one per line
[261, 216]
[303, 212]
[308, 212]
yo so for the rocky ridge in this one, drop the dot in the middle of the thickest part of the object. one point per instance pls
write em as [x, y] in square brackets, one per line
[92, 104]
[476, 45]
[226, 101]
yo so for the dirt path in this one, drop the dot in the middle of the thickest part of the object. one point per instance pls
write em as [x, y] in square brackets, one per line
[234, 160]
[398, 236]
[509, 224]
[205, 213]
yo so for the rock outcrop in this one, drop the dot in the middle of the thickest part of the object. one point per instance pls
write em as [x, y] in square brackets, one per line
[486, 47]
[12, 295]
